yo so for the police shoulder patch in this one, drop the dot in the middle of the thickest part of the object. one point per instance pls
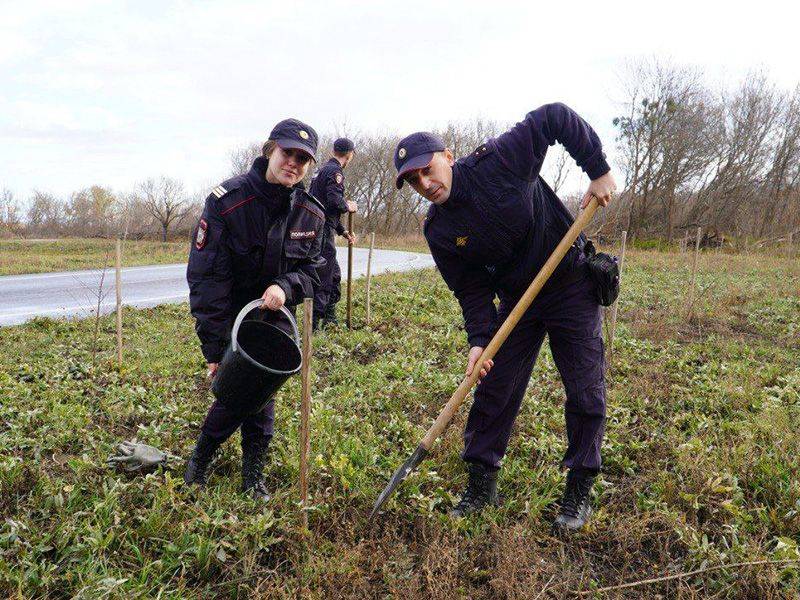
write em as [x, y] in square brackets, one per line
[339, 178]
[202, 234]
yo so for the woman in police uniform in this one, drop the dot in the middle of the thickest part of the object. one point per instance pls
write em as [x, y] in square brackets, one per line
[260, 235]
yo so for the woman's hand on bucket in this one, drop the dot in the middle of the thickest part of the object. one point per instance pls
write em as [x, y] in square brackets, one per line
[273, 298]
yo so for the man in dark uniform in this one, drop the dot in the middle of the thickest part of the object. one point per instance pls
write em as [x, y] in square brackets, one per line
[328, 187]
[260, 235]
[492, 225]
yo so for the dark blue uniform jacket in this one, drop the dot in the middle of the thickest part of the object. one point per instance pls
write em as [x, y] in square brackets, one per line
[252, 234]
[502, 221]
[328, 187]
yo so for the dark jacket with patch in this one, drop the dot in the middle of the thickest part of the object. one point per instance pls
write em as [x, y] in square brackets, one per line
[328, 187]
[252, 234]
[502, 221]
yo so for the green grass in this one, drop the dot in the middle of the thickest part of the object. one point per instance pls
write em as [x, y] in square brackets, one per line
[701, 464]
[46, 256]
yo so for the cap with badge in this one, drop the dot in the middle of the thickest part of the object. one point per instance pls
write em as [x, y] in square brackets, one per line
[343, 145]
[291, 133]
[415, 152]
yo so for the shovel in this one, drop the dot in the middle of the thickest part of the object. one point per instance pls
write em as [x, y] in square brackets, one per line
[449, 410]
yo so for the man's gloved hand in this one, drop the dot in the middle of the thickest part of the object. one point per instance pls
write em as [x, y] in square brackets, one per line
[134, 456]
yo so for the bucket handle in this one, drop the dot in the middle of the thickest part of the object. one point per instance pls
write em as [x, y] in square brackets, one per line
[235, 332]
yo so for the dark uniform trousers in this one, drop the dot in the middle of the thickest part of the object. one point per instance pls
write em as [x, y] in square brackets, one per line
[572, 318]
[330, 275]
[221, 422]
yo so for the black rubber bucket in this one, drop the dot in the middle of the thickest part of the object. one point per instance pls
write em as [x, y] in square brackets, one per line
[258, 361]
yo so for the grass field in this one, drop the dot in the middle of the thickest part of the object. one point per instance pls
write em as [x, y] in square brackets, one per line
[71, 254]
[701, 456]
[46, 256]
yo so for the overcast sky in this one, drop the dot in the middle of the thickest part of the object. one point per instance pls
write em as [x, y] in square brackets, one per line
[111, 93]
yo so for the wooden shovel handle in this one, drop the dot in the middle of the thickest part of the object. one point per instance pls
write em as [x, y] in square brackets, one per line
[508, 325]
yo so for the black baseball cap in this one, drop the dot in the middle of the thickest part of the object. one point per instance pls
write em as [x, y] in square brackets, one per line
[343, 145]
[292, 133]
[415, 152]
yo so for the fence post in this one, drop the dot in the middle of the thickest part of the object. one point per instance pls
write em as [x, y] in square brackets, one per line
[350, 272]
[305, 408]
[119, 302]
[690, 300]
[369, 273]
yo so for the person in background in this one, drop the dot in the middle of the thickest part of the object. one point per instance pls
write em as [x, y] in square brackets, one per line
[328, 187]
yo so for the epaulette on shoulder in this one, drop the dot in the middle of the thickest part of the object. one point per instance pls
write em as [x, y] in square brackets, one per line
[226, 187]
[219, 191]
[478, 154]
[481, 150]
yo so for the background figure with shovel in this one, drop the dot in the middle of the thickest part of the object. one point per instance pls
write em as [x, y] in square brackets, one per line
[260, 235]
[328, 187]
[492, 225]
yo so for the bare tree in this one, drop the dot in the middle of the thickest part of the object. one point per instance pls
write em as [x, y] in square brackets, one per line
[560, 169]
[242, 158]
[655, 94]
[90, 212]
[166, 201]
[781, 188]
[45, 214]
[10, 221]
[743, 145]
[134, 219]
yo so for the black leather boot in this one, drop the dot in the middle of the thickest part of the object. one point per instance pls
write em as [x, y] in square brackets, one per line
[254, 457]
[481, 491]
[197, 467]
[576, 506]
[329, 318]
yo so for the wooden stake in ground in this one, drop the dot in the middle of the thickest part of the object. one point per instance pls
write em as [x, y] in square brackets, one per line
[369, 271]
[690, 299]
[119, 302]
[305, 407]
[350, 272]
[616, 302]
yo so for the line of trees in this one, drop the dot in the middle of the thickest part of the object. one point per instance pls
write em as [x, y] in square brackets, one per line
[156, 208]
[727, 160]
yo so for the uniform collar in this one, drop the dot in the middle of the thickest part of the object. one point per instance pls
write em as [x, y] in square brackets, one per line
[256, 177]
[333, 161]
[457, 189]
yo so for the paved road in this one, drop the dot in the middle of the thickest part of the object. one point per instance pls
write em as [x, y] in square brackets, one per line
[74, 293]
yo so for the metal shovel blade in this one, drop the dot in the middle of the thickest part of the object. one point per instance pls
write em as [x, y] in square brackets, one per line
[417, 457]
